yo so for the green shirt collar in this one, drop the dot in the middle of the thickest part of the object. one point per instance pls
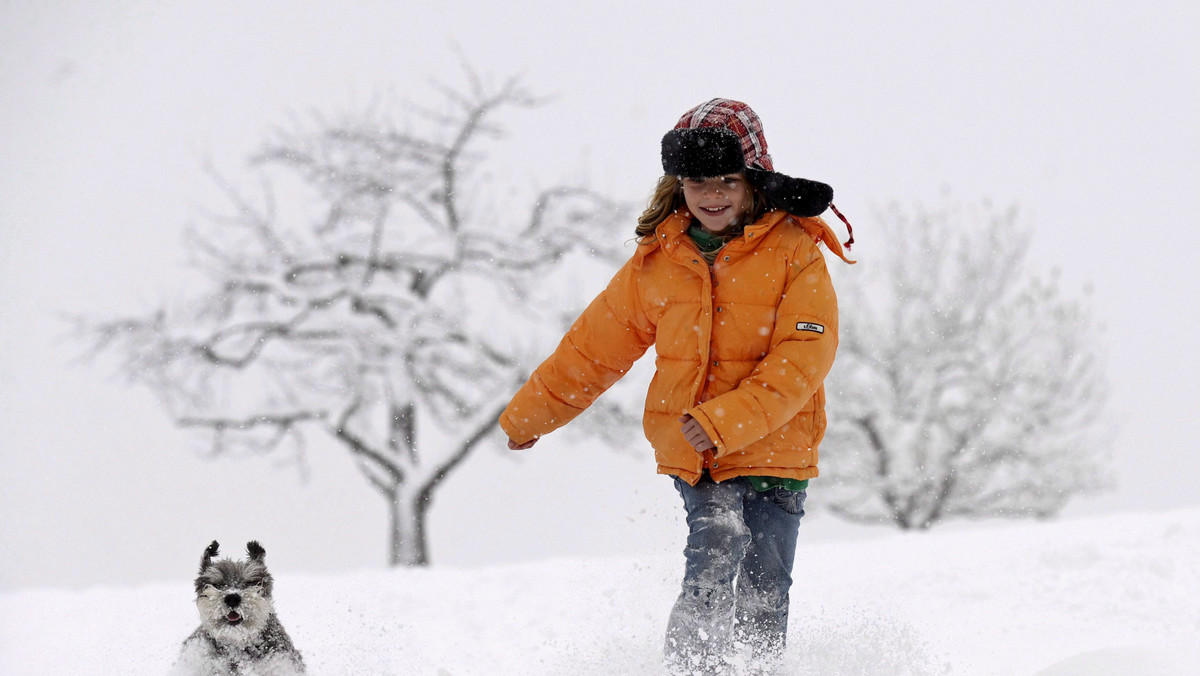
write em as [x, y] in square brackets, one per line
[707, 241]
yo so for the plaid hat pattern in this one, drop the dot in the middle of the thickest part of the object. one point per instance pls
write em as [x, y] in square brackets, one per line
[736, 117]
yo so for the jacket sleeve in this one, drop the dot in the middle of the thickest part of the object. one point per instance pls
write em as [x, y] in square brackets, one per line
[803, 344]
[600, 347]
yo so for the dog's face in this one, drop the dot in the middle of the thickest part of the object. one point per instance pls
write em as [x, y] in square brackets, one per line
[234, 597]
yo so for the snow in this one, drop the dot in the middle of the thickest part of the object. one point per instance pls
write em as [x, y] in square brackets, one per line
[1112, 595]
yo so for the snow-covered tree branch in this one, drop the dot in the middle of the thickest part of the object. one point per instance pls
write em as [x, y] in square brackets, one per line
[356, 297]
[964, 387]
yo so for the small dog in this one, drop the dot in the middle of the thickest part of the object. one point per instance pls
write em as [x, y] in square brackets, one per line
[239, 633]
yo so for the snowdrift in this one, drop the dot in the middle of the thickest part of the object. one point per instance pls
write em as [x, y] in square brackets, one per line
[1115, 595]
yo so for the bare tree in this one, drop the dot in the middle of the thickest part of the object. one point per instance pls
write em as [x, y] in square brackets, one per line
[964, 387]
[357, 300]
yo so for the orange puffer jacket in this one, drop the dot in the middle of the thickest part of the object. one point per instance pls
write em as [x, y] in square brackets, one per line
[743, 346]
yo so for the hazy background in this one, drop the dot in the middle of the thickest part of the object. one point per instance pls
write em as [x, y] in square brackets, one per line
[1085, 114]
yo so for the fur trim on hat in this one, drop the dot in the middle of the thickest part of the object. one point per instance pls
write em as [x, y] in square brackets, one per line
[706, 152]
[702, 153]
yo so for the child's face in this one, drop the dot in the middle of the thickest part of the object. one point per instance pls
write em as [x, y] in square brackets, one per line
[718, 202]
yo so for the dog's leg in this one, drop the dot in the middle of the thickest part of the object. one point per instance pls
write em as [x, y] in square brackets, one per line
[198, 658]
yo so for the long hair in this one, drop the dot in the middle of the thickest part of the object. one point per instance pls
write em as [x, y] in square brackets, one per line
[668, 198]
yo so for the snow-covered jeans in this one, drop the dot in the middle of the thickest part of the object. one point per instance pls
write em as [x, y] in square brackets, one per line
[740, 549]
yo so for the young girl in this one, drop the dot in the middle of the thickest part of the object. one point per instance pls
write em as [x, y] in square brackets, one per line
[729, 283]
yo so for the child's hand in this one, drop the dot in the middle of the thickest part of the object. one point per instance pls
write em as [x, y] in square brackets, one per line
[695, 434]
[514, 446]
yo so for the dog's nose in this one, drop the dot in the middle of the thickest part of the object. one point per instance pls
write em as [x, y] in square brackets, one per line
[233, 600]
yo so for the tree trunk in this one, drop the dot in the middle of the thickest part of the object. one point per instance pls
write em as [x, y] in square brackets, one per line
[407, 526]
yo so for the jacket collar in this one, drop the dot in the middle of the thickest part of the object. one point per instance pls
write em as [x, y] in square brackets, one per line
[672, 233]
[820, 230]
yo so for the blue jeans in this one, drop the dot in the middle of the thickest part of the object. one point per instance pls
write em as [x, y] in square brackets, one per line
[740, 549]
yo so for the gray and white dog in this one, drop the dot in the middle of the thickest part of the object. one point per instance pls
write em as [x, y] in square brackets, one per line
[239, 633]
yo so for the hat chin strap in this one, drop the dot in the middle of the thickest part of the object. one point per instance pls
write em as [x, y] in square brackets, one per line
[849, 228]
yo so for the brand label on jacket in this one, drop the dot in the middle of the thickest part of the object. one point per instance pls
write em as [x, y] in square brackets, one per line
[809, 326]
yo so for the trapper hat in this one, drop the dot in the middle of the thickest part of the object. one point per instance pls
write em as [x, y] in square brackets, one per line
[722, 137]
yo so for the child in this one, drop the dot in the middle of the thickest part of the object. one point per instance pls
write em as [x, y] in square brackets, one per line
[729, 283]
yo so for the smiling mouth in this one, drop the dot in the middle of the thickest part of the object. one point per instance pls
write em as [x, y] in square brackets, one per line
[233, 617]
[714, 210]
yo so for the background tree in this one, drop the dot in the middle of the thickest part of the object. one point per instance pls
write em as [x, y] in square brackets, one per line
[963, 387]
[359, 300]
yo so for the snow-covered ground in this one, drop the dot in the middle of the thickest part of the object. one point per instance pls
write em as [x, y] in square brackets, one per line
[1114, 595]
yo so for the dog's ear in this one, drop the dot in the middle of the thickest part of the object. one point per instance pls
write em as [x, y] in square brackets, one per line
[209, 553]
[255, 551]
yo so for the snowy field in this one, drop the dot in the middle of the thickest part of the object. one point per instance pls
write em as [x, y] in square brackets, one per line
[1116, 595]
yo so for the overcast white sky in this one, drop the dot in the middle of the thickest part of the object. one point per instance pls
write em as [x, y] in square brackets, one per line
[1085, 114]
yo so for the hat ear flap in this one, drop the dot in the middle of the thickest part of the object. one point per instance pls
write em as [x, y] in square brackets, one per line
[797, 196]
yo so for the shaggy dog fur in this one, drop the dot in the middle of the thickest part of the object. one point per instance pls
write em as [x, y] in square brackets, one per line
[239, 634]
